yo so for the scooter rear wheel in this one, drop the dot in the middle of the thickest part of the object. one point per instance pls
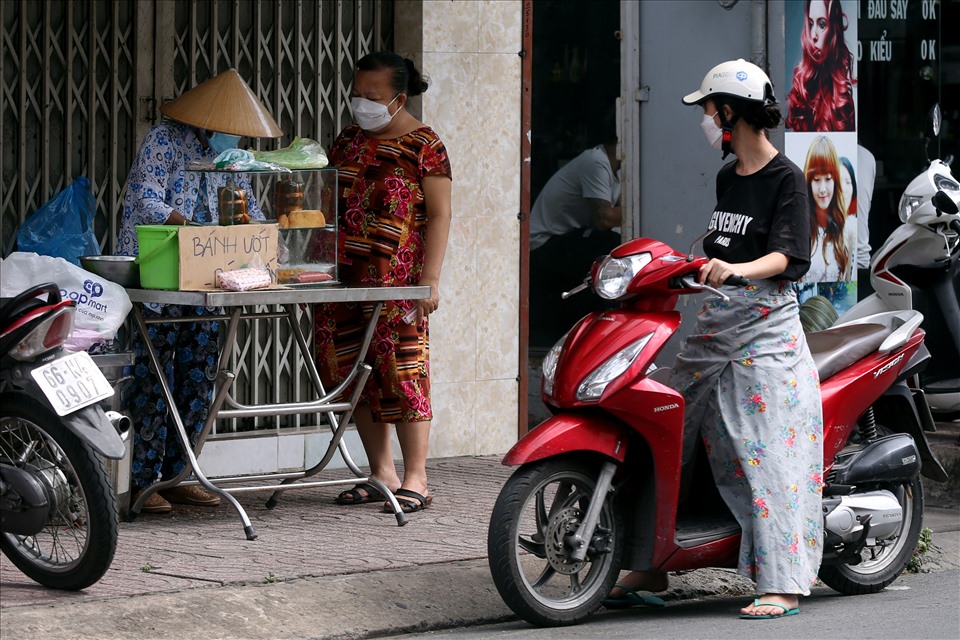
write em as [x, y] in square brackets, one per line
[881, 565]
[76, 546]
[539, 507]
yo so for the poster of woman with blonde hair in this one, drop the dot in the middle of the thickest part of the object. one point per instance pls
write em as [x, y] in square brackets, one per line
[833, 242]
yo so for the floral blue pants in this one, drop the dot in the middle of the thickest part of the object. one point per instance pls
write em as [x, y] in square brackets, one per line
[752, 393]
[187, 353]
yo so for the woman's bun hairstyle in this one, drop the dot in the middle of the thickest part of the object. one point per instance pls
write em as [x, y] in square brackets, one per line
[405, 78]
[757, 115]
[416, 82]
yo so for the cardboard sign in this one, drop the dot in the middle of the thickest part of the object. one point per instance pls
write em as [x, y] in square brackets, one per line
[209, 250]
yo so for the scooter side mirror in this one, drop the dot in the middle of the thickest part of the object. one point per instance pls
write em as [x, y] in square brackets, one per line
[690, 255]
[943, 203]
[934, 118]
[933, 129]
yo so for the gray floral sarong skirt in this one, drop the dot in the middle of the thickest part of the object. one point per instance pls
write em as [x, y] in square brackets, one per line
[752, 393]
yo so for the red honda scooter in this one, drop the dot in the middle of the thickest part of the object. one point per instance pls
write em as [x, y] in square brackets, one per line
[599, 484]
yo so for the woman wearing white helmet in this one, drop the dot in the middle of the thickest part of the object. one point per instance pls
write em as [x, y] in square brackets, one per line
[749, 382]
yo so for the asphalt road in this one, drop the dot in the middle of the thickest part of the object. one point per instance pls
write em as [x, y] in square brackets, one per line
[916, 606]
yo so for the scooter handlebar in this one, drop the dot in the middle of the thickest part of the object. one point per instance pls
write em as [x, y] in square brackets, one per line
[689, 281]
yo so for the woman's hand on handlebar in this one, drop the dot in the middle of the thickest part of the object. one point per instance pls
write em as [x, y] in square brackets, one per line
[716, 272]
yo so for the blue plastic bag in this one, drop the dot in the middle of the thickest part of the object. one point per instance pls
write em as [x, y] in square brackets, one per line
[63, 227]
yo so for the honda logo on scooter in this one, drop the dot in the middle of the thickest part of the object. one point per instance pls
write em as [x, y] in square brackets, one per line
[666, 407]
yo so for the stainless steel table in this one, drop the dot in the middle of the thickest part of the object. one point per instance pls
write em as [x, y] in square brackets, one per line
[238, 309]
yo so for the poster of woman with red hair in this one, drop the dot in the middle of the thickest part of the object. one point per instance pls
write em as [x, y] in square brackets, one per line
[822, 36]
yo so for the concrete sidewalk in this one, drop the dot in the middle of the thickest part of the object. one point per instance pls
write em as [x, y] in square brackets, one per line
[317, 570]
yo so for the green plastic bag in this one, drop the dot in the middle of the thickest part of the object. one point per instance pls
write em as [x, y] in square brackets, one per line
[303, 153]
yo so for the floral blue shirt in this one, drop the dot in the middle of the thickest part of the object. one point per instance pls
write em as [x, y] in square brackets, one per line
[159, 183]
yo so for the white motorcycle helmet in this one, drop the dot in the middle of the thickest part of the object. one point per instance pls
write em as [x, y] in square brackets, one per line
[737, 78]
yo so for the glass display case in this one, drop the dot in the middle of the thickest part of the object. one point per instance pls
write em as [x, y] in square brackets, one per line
[303, 203]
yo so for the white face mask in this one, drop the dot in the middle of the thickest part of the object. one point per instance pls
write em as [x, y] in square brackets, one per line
[370, 115]
[712, 131]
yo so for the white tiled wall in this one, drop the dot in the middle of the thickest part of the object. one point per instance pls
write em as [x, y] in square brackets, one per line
[470, 52]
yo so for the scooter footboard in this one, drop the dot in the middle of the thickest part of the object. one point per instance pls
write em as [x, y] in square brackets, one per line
[568, 432]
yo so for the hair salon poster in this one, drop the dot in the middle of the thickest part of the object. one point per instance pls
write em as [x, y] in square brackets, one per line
[827, 42]
[821, 138]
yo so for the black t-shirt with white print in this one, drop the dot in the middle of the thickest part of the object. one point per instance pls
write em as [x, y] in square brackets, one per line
[761, 213]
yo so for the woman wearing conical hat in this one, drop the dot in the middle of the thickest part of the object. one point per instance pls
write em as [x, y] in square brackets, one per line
[198, 126]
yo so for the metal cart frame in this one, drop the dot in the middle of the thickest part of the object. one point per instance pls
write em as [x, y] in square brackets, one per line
[338, 411]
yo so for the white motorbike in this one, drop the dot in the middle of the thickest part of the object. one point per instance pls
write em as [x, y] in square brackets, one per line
[917, 268]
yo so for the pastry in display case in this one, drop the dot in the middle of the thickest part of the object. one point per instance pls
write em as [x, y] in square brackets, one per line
[304, 206]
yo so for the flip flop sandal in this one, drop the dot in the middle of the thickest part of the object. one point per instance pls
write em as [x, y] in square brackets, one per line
[414, 504]
[632, 598]
[354, 496]
[786, 611]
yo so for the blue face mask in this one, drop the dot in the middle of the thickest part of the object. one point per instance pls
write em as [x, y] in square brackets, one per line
[220, 142]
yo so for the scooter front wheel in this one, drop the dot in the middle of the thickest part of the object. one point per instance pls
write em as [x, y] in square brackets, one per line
[539, 508]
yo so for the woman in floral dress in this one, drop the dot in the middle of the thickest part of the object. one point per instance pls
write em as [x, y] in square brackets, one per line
[394, 183]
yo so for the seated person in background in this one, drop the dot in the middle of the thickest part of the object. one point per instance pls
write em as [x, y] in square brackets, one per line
[575, 219]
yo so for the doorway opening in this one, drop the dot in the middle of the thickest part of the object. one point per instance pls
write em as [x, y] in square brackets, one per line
[575, 86]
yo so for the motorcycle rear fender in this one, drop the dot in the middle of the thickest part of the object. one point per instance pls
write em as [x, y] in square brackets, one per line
[569, 432]
[91, 425]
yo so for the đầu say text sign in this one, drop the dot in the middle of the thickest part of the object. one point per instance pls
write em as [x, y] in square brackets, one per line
[208, 250]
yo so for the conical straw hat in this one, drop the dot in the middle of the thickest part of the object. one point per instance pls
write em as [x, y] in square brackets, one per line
[226, 104]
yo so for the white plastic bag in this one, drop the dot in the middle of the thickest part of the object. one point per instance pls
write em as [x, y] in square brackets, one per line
[252, 276]
[102, 305]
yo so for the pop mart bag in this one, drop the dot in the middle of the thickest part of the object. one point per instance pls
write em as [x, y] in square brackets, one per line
[63, 226]
[102, 305]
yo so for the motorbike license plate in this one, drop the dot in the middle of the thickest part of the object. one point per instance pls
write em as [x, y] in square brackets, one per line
[72, 382]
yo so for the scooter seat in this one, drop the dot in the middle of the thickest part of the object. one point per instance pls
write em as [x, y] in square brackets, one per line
[839, 347]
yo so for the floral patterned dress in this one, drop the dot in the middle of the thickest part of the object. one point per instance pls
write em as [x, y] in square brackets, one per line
[382, 231]
[752, 388]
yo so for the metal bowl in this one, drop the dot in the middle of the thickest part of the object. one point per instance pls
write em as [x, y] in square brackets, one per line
[123, 270]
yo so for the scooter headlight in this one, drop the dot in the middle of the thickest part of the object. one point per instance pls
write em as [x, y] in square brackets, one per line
[909, 204]
[549, 366]
[615, 274]
[596, 383]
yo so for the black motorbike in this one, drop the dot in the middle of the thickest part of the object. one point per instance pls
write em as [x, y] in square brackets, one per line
[58, 511]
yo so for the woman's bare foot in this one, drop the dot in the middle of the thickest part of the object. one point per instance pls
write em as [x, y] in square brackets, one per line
[761, 606]
[649, 580]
